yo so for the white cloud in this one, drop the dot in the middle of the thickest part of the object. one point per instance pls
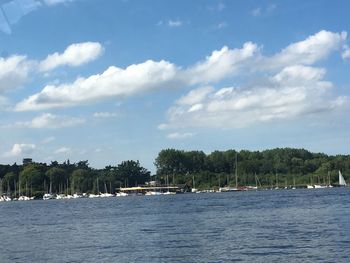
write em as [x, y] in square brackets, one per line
[105, 115]
[49, 121]
[293, 92]
[225, 63]
[308, 51]
[113, 82]
[13, 72]
[74, 55]
[346, 52]
[221, 63]
[175, 23]
[63, 150]
[20, 149]
[195, 96]
[180, 136]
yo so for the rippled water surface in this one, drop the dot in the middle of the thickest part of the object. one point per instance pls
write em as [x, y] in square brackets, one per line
[262, 226]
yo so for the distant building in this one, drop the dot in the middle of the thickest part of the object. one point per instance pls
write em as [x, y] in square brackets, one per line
[27, 161]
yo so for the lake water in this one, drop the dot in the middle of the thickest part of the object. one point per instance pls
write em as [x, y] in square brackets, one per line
[263, 226]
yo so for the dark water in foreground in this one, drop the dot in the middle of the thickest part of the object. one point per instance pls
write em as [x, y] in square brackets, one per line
[264, 226]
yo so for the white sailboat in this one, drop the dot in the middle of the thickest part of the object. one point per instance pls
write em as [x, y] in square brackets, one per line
[49, 195]
[194, 189]
[228, 188]
[341, 180]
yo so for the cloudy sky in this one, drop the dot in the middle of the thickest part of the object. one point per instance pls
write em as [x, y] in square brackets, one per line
[107, 81]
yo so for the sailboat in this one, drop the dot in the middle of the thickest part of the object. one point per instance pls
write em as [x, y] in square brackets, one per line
[341, 180]
[228, 188]
[194, 189]
[49, 195]
[106, 194]
[23, 197]
[168, 192]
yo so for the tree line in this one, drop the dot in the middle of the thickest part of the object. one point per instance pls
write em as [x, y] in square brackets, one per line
[275, 167]
[269, 168]
[36, 179]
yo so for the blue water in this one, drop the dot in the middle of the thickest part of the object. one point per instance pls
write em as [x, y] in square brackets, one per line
[264, 226]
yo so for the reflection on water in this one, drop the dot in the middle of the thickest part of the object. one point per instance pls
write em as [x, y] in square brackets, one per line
[270, 226]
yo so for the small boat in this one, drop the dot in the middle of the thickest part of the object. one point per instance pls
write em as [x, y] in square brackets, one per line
[23, 198]
[93, 196]
[341, 180]
[60, 196]
[169, 193]
[317, 186]
[106, 195]
[121, 194]
[5, 198]
[76, 195]
[228, 189]
[48, 196]
[153, 193]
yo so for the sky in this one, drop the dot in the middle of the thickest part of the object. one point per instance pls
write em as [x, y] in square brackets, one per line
[108, 81]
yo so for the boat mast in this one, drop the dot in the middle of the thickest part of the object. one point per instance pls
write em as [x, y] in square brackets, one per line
[50, 192]
[236, 176]
[19, 186]
[14, 182]
[256, 181]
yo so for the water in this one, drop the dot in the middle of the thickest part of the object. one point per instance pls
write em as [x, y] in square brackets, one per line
[263, 226]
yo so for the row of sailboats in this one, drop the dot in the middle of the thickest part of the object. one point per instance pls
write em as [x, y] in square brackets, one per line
[19, 197]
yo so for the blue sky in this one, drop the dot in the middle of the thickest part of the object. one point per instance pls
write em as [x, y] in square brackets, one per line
[107, 81]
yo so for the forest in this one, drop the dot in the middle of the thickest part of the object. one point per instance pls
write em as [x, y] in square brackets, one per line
[269, 168]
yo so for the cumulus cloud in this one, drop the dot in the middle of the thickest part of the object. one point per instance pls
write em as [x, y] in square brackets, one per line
[49, 121]
[221, 63]
[20, 149]
[307, 52]
[180, 136]
[225, 63]
[294, 91]
[13, 72]
[15, 69]
[112, 82]
[74, 55]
